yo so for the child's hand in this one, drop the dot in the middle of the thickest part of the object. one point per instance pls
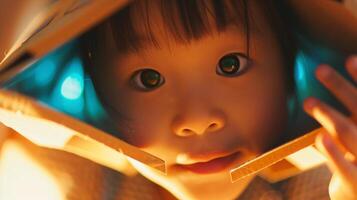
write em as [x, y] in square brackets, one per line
[339, 140]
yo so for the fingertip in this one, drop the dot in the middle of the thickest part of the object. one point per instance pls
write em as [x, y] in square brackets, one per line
[323, 72]
[309, 103]
[351, 64]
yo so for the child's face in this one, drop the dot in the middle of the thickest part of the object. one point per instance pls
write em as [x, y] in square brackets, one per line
[194, 105]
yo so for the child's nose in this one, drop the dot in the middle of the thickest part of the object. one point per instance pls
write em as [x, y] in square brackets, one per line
[184, 127]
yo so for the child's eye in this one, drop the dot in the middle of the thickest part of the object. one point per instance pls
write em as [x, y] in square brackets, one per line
[147, 79]
[232, 64]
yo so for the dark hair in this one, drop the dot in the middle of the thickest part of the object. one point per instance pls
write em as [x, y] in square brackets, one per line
[184, 20]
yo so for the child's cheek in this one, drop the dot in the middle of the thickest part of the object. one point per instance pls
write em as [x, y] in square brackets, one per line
[147, 121]
[269, 115]
[261, 125]
[260, 111]
[141, 133]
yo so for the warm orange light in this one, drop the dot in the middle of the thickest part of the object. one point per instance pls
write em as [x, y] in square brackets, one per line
[49, 128]
[306, 158]
[39, 131]
[49, 134]
[21, 177]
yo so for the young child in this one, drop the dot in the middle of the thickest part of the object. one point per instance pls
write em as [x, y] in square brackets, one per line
[204, 85]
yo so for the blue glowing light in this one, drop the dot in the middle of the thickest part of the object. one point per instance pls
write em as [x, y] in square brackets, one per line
[67, 95]
[300, 71]
[72, 87]
[73, 84]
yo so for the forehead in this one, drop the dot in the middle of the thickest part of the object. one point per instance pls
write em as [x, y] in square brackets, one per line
[156, 23]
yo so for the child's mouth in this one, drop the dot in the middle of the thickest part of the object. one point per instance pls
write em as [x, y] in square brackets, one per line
[212, 166]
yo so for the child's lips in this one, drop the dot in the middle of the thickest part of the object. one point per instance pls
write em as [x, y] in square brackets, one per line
[213, 165]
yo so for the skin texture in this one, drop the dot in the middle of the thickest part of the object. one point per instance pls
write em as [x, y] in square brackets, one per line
[194, 97]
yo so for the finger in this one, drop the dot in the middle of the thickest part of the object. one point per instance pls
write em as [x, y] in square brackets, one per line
[350, 157]
[351, 66]
[339, 86]
[335, 157]
[339, 126]
[340, 167]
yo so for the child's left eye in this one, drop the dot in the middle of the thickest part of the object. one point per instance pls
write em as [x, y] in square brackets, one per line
[232, 64]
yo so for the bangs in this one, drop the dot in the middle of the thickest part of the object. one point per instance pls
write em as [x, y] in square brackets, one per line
[134, 27]
[183, 21]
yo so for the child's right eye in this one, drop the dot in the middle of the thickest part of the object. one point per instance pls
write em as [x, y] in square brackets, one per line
[147, 79]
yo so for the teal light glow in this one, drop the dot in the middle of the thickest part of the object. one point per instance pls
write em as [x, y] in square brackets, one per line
[300, 71]
[45, 71]
[68, 95]
[306, 84]
[72, 86]
[73, 83]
